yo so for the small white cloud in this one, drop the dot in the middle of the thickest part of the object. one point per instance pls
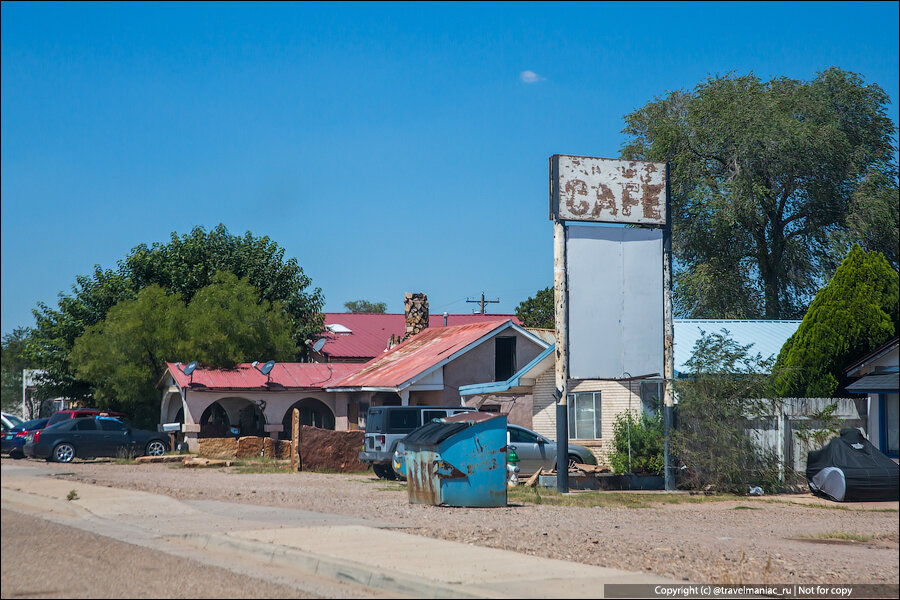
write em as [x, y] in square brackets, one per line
[530, 77]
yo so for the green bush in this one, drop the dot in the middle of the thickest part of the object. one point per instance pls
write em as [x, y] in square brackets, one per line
[712, 438]
[644, 433]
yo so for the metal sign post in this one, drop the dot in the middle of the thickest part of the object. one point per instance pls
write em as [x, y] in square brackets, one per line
[669, 340]
[561, 304]
[625, 263]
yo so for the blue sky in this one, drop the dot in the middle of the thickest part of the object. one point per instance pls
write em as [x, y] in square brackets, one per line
[390, 148]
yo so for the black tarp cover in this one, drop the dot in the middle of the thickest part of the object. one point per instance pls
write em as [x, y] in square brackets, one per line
[869, 475]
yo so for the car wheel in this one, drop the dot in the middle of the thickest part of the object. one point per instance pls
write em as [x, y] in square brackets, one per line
[389, 472]
[573, 460]
[379, 471]
[155, 448]
[63, 453]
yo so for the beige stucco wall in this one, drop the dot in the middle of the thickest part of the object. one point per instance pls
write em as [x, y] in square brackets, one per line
[477, 365]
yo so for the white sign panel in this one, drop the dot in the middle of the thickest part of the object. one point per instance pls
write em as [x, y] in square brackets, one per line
[608, 190]
[615, 281]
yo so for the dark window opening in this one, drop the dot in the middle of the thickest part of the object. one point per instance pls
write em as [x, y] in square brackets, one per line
[505, 358]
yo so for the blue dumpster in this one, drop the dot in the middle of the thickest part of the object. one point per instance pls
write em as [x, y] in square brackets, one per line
[458, 461]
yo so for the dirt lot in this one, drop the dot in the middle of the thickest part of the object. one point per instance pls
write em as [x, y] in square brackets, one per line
[783, 539]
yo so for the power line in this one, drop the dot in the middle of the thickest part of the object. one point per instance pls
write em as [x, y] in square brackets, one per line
[482, 302]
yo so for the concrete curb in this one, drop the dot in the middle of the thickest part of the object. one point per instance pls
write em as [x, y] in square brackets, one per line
[333, 568]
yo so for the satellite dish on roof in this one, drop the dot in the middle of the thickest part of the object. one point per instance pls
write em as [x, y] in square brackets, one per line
[188, 370]
[267, 368]
[320, 343]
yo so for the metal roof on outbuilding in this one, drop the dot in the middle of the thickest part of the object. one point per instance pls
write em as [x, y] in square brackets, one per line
[881, 383]
[766, 336]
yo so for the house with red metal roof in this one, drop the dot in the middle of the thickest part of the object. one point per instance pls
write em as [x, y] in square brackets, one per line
[426, 369]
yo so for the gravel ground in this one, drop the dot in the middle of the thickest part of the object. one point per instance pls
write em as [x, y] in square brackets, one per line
[736, 541]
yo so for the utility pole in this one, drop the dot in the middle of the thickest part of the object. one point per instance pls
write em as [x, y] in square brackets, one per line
[482, 302]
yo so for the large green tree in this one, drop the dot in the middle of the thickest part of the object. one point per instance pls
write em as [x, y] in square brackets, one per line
[856, 312]
[538, 310]
[765, 174]
[123, 356]
[183, 265]
[12, 362]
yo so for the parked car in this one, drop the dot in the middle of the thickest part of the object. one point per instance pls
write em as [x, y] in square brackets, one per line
[534, 450]
[387, 425]
[74, 413]
[88, 437]
[14, 439]
[9, 421]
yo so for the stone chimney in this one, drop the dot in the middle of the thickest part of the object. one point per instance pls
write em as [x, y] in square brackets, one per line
[415, 306]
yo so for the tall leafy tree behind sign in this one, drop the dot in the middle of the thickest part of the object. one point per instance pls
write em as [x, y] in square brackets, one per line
[183, 266]
[763, 181]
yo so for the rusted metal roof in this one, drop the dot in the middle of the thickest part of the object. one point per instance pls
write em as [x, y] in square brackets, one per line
[371, 331]
[419, 354]
[283, 376]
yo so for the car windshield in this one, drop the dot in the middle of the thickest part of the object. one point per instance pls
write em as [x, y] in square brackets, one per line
[14, 420]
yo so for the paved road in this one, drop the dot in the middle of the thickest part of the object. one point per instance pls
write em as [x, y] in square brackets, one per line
[314, 554]
[42, 559]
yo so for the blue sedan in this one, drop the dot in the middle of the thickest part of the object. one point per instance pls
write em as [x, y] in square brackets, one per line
[13, 440]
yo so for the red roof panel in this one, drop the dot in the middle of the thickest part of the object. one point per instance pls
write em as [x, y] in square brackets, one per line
[372, 331]
[283, 376]
[417, 354]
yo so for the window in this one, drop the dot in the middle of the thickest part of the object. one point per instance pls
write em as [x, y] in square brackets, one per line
[430, 415]
[403, 420]
[111, 425]
[518, 436]
[505, 358]
[584, 416]
[86, 425]
[651, 394]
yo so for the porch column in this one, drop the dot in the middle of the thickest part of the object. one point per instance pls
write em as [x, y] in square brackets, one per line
[404, 397]
[341, 420]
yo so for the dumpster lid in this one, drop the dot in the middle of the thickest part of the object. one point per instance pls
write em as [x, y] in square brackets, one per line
[470, 417]
[433, 433]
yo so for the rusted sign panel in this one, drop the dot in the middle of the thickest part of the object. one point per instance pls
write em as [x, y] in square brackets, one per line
[606, 190]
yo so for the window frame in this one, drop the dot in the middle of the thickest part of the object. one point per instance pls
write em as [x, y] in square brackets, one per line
[596, 405]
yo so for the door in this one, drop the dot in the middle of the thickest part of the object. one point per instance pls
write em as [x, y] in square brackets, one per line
[116, 439]
[87, 438]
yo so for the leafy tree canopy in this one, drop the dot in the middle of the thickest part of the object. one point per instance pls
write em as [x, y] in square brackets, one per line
[123, 357]
[12, 362]
[538, 310]
[855, 313]
[184, 266]
[770, 180]
[364, 306]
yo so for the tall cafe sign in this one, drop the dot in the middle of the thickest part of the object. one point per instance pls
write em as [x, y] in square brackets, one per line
[608, 191]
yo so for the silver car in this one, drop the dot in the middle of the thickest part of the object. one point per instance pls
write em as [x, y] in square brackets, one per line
[536, 451]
